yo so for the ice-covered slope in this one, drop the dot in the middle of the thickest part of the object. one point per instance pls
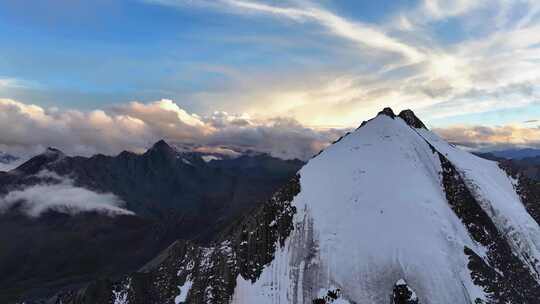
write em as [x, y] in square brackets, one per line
[373, 210]
[495, 192]
[388, 214]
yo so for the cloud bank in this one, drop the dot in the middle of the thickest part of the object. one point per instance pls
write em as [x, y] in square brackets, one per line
[61, 195]
[492, 138]
[135, 126]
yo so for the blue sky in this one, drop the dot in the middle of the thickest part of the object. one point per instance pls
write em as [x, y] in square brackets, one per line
[321, 63]
[86, 55]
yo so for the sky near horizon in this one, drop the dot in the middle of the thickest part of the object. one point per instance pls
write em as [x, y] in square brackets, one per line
[224, 68]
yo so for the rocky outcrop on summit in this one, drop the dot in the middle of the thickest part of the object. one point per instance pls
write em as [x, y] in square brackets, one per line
[410, 118]
[388, 112]
[390, 213]
[407, 115]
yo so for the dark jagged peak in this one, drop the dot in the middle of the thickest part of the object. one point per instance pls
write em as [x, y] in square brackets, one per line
[388, 112]
[126, 154]
[411, 119]
[162, 147]
[39, 162]
[160, 151]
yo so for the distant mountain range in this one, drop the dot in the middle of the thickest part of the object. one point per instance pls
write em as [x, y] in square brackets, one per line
[528, 166]
[173, 195]
[390, 213]
[517, 153]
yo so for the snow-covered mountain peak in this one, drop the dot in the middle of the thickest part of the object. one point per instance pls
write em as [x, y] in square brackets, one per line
[392, 201]
[390, 213]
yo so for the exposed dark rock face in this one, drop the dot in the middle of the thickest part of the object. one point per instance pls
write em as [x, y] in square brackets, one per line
[403, 294]
[330, 297]
[175, 196]
[243, 249]
[410, 118]
[388, 112]
[503, 275]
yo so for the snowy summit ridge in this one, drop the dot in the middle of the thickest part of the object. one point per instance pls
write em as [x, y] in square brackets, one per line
[391, 213]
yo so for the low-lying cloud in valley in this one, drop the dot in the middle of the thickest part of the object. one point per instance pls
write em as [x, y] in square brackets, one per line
[59, 194]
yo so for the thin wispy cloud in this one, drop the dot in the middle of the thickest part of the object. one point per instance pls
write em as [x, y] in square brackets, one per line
[429, 11]
[6, 83]
[357, 32]
[439, 79]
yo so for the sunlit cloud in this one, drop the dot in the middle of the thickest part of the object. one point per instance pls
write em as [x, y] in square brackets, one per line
[490, 138]
[472, 75]
[136, 126]
[357, 32]
[443, 59]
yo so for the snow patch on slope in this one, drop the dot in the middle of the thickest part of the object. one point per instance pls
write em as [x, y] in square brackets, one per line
[184, 290]
[121, 296]
[209, 158]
